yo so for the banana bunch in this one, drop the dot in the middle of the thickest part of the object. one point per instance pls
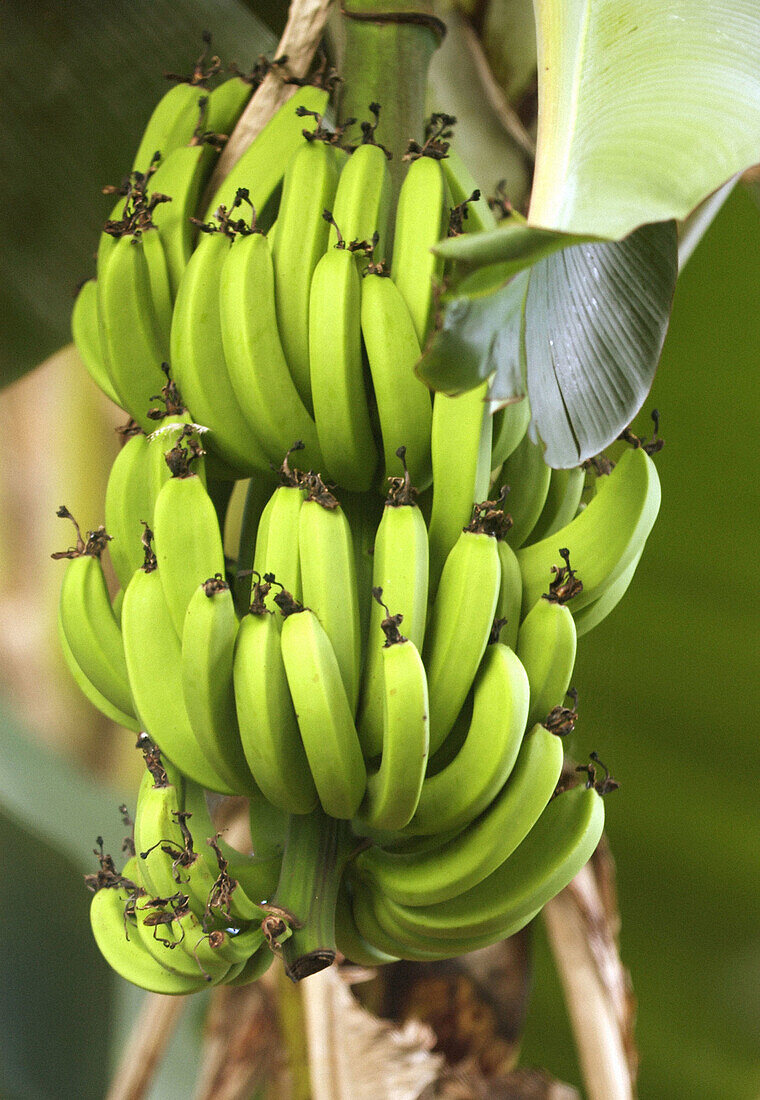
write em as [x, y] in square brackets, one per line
[383, 680]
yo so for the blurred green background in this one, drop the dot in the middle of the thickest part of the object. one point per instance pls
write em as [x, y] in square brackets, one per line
[667, 683]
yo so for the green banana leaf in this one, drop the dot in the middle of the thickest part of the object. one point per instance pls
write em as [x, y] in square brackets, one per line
[80, 82]
[645, 107]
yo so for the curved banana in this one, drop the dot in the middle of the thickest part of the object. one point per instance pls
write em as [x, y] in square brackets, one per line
[85, 332]
[363, 198]
[400, 570]
[562, 502]
[174, 935]
[208, 644]
[128, 503]
[269, 730]
[325, 715]
[188, 542]
[116, 935]
[257, 496]
[262, 165]
[277, 550]
[393, 791]
[528, 477]
[328, 580]
[349, 940]
[559, 844]
[593, 613]
[198, 363]
[308, 188]
[88, 623]
[509, 427]
[460, 445]
[546, 646]
[460, 863]
[133, 344]
[338, 392]
[421, 221]
[462, 790]
[257, 367]
[605, 538]
[403, 402]
[158, 276]
[181, 175]
[460, 625]
[509, 603]
[172, 124]
[98, 700]
[154, 663]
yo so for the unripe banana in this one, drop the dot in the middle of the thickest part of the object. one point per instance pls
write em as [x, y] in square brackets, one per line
[172, 124]
[88, 623]
[509, 602]
[277, 550]
[562, 503]
[461, 454]
[128, 503]
[188, 542]
[208, 644]
[269, 729]
[338, 391]
[181, 176]
[325, 715]
[546, 646]
[393, 791]
[509, 427]
[363, 199]
[605, 538]
[421, 221]
[403, 402]
[253, 351]
[328, 580]
[85, 331]
[461, 618]
[198, 363]
[462, 790]
[400, 569]
[483, 846]
[528, 477]
[308, 189]
[461, 187]
[133, 345]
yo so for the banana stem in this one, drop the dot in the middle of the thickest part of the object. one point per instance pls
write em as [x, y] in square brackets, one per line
[316, 849]
[387, 47]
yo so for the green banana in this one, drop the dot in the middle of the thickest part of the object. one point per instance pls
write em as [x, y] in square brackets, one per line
[528, 477]
[472, 855]
[308, 188]
[546, 643]
[325, 715]
[87, 620]
[253, 351]
[593, 613]
[510, 595]
[338, 391]
[262, 166]
[364, 511]
[172, 933]
[257, 496]
[328, 580]
[208, 644]
[85, 332]
[562, 503]
[154, 663]
[403, 402]
[98, 700]
[172, 124]
[421, 221]
[198, 363]
[128, 503]
[400, 569]
[559, 844]
[134, 347]
[277, 551]
[181, 176]
[116, 935]
[605, 538]
[268, 725]
[461, 452]
[510, 424]
[363, 198]
[461, 619]
[462, 790]
[393, 791]
[188, 542]
[348, 938]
